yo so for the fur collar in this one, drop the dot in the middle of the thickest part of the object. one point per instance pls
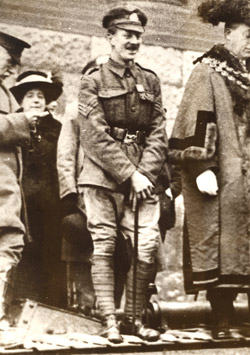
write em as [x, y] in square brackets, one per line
[233, 72]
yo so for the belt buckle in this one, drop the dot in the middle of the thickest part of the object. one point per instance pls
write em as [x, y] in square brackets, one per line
[130, 138]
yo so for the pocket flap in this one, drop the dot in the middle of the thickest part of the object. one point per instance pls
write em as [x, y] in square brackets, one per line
[111, 93]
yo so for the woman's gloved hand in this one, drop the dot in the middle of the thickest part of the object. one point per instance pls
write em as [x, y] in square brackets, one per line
[207, 183]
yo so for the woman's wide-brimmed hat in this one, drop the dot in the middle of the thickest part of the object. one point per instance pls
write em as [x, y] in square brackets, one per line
[227, 11]
[36, 79]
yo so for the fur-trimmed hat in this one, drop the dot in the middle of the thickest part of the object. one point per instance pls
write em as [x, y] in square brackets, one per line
[36, 79]
[126, 18]
[228, 11]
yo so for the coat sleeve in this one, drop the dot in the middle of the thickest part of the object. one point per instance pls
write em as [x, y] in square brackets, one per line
[194, 137]
[67, 152]
[14, 130]
[155, 152]
[175, 181]
[97, 143]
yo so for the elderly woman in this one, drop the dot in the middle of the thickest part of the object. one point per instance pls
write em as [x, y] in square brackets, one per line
[211, 140]
[39, 267]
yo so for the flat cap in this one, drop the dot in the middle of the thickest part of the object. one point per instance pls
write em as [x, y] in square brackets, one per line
[125, 18]
[13, 45]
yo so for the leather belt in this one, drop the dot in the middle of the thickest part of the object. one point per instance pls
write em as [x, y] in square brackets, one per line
[126, 136]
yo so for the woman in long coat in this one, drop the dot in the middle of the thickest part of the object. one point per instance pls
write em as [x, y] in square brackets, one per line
[211, 140]
[40, 268]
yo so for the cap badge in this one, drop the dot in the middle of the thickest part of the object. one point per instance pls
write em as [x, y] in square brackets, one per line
[134, 17]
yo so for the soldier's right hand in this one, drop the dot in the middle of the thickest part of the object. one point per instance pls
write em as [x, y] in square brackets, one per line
[141, 185]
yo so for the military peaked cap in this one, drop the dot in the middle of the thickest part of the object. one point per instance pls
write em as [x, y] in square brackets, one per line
[125, 18]
[13, 45]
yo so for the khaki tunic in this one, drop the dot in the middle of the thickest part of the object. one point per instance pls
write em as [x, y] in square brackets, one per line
[111, 97]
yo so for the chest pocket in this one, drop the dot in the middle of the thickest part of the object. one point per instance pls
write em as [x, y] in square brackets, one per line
[113, 101]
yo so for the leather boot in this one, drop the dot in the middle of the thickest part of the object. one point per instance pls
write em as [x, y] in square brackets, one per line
[112, 331]
[141, 330]
[221, 301]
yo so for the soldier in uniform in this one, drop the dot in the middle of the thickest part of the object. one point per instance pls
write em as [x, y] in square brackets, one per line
[14, 133]
[77, 246]
[123, 135]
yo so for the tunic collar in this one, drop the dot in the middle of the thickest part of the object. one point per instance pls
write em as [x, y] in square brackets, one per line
[120, 69]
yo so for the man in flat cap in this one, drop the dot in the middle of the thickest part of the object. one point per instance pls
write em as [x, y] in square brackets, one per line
[124, 140]
[14, 132]
[211, 141]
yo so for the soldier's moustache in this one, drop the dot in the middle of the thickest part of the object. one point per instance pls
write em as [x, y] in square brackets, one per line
[132, 46]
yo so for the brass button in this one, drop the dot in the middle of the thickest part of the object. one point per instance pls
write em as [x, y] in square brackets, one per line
[133, 108]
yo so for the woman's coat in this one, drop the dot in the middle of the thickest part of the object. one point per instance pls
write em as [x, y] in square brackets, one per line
[209, 134]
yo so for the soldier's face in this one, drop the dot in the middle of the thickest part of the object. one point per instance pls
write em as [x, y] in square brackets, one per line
[7, 65]
[238, 41]
[125, 44]
[34, 100]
